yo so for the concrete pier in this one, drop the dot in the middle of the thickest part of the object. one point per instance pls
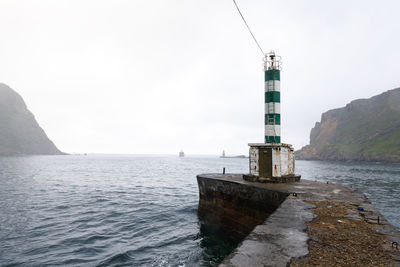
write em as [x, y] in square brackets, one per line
[302, 223]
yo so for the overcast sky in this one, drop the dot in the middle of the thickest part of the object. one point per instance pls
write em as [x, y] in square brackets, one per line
[157, 76]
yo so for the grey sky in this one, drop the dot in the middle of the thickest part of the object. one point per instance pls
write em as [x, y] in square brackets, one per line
[144, 76]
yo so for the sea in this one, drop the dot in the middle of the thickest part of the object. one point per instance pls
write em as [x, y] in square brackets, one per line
[138, 210]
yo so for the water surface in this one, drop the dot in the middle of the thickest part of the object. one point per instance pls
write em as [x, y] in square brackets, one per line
[137, 210]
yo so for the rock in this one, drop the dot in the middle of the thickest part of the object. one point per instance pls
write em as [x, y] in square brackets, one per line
[20, 134]
[363, 130]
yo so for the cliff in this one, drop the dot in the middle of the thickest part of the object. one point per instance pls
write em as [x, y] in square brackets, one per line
[20, 134]
[364, 130]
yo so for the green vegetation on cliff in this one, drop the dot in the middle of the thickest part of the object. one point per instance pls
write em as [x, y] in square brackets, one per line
[20, 134]
[365, 129]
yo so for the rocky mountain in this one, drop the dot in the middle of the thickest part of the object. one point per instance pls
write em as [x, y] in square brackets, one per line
[364, 130]
[20, 134]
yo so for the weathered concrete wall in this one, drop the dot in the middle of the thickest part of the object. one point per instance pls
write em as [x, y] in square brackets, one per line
[253, 161]
[271, 160]
[236, 207]
[283, 161]
[313, 224]
[279, 240]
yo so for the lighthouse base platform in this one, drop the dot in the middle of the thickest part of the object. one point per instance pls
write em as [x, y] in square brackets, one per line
[271, 163]
[282, 179]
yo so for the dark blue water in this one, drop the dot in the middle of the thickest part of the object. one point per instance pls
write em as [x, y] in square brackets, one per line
[136, 210]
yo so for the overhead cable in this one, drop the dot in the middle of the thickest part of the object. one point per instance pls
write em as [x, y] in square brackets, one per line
[248, 28]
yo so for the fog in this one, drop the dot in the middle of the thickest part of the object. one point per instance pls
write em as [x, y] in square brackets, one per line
[160, 76]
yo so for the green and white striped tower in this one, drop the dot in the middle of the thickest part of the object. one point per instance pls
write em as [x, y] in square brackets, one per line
[272, 65]
[272, 161]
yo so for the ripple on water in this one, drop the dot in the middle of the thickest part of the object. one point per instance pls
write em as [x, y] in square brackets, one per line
[137, 211]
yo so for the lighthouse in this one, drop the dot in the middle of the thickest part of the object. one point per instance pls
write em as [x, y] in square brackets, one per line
[272, 160]
[272, 65]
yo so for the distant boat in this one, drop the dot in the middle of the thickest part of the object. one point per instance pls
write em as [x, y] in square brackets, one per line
[181, 154]
[224, 156]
